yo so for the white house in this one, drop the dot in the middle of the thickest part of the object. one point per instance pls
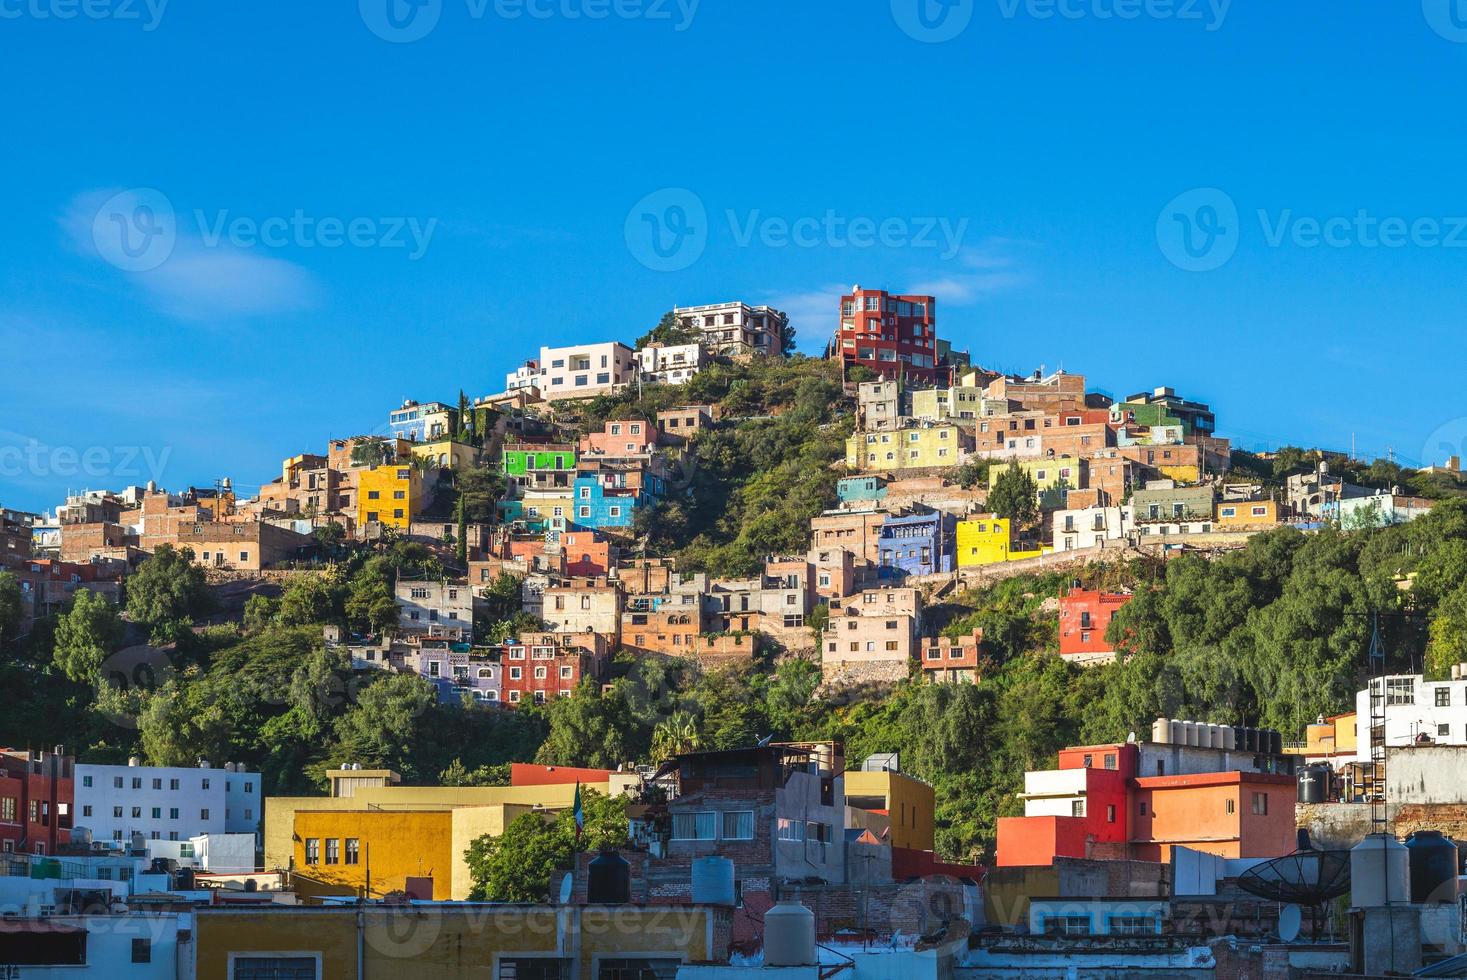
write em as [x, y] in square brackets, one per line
[1414, 707]
[582, 371]
[166, 803]
[1087, 527]
[673, 365]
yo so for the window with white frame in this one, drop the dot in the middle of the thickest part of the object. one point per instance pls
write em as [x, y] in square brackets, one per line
[738, 825]
[700, 825]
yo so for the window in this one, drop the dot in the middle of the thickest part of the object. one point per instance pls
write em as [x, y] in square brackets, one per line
[1443, 731]
[204, 814]
[1065, 925]
[248, 966]
[1443, 697]
[1110, 813]
[333, 850]
[1110, 760]
[353, 850]
[1230, 807]
[142, 951]
[791, 830]
[1260, 804]
[738, 825]
[313, 850]
[1141, 808]
[1400, 690]
[1134, 925]
[694, 826]
[1077, 808]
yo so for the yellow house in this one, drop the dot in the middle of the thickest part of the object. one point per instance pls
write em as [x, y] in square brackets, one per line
[989, 540]
[1185, 473]
[446, 454]
[1331, 738]
[931, 446]
[941, 404]
[1047, 474]
[456, 942]
[908, 802]
[406, 831]
[1235, 514]
[390, 494]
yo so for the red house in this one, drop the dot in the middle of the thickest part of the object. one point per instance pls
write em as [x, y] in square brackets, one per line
[536, 670]
[585, 553]
[893, 336]
[622, 437]
[36, 801]
[1083, 618]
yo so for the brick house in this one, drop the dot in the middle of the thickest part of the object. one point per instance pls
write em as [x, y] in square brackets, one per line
[37, 799]
[952, 661]
[871, 637]
[243, 546]
[539, 667]
[621, 437]
[1084, 617]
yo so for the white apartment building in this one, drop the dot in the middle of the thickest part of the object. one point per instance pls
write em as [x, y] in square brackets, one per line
[170, 803]
[1414, 707]
[737, 328]
[1087, 527]
[673, 365]
[440, 608]
[582, 371]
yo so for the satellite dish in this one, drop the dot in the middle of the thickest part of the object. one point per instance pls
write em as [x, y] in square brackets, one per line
[568, 884]
[1290, 918]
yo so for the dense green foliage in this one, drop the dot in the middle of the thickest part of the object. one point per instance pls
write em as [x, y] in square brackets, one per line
[517, 865]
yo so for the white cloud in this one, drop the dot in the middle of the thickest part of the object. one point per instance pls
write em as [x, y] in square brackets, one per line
[179, 273]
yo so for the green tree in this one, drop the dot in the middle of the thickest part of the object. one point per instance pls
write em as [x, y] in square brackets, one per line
[589, 728]
[166, 592]
[675, 735]
[12, 611]
[465, 417]
[309, 600]
[381, 728]
[371, 452]
[180, 725]
[517, 866]
[89, 631]
[1015, 496]
[669, 332]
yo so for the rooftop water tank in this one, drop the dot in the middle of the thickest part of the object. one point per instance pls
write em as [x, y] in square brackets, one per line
[609, 880]
[1433, 863]
[713, 881]
[1314, 784]
[789, 935]
[1380, 872]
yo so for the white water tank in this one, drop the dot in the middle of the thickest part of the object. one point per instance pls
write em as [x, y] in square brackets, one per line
[789, 935]
[1380, 872]
[713, 881]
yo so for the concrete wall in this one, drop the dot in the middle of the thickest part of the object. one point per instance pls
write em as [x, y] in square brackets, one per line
[1427, 774]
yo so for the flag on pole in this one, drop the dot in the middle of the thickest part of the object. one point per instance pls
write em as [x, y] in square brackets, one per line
[580, 815]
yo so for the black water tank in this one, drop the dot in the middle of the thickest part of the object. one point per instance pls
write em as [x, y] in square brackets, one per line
[1275, 742]
[609, 880]
[183, 880]
[1433, 868]
[1314, 784]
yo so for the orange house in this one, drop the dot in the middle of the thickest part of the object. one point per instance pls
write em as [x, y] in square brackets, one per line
[584, 553]
[1230, 814]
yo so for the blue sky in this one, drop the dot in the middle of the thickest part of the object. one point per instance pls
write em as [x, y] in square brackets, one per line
[1063, 147]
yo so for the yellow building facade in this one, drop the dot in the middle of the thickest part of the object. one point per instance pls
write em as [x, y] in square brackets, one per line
[941, 404]
[390, 494]
[924, 447]
[1047, 474]
[909, 803]
[452, 942]
[446, 454]
[989, 540]
[1254, 514]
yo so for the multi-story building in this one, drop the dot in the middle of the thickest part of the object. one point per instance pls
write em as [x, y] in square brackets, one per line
[879, 405]
[454, 673]
[609, 492]
[1248, 515]
[952, 661]
[426, 422]
[47, 586]
[1084, 616]
[940, 446]
[960, 402]
[435, 607]
[580, 371]
[391, 494]
[15, 540]
[1415, 709]
[736, 329]
[37, 791]
[1088, 527]
[890, 335]
[1052, 394]
[171, 803]
[446, 454]
[916, 544]
[871, 637]
[242, 546]
[538, 466]
[620, 437]
[669, 365]
[589, 605]
[1052, 476]
[1140, 800]
[856, 531]
[1380, 509]
[541, 667]
[680, 424]
[1161, 501]
[586, 553]
[1162, 406]
[1182, 464]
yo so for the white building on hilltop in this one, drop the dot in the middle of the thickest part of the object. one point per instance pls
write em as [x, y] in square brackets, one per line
[671, 365]
[582, 371]
[169, 803]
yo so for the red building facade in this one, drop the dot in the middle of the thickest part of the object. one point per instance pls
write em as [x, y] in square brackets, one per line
[36, 801]
[536, 674]
[893, 336]
[1083, 619]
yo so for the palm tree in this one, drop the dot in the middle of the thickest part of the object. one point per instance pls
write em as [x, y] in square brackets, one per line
[675, 735]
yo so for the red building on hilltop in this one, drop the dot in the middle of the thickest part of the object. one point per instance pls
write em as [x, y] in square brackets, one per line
[892, 336]
[1083, 619]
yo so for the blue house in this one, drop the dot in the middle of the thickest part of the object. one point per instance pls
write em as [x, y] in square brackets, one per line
[851, 489]
[609, 500]
[916, 544]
